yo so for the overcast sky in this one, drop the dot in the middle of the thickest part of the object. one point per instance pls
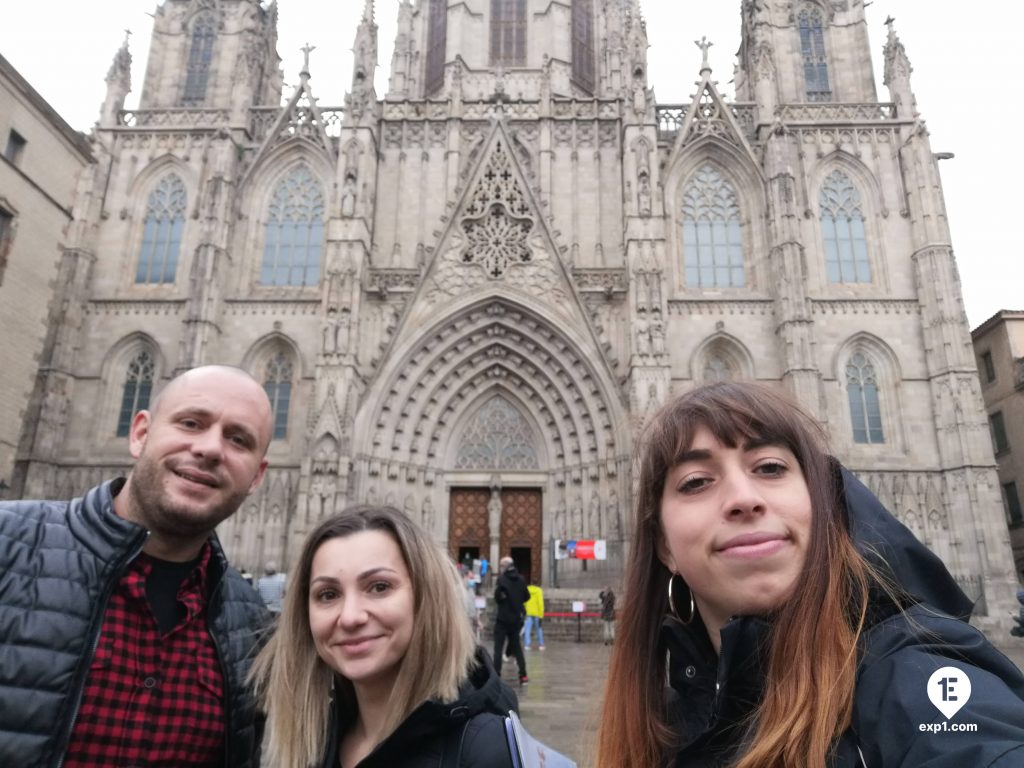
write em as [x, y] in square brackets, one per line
[965, 77]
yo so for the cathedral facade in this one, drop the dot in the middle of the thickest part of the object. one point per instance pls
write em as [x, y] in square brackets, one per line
[465, 297]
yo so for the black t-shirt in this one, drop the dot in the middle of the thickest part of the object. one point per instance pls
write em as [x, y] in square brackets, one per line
[162, 585]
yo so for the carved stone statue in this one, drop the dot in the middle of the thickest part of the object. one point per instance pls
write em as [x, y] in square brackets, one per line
[427, 515]
[576, 517]
[658, 337]
[643, 337]
[643, 194]
[348, 196]
[494, 511]
[595, 515]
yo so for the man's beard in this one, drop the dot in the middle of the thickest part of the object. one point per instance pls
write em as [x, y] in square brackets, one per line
[154, 507]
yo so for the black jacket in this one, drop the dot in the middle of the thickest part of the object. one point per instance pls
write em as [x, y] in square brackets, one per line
[59, 563]
[511, 595]
[712, 697]
[475, 719]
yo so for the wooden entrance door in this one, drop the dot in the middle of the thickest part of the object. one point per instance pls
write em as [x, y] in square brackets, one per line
[521, 526]
[467, 521]
[521, 530]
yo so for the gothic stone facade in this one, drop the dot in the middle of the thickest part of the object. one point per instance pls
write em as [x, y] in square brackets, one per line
[465, 297]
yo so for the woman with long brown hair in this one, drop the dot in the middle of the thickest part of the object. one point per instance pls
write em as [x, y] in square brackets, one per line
[777, 616]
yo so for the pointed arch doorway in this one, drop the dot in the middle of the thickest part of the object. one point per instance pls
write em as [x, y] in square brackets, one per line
[503, 517]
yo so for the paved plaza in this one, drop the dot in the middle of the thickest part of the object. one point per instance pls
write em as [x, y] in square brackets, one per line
[561, 704]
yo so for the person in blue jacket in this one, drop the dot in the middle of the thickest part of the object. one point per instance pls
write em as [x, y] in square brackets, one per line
[779, 617]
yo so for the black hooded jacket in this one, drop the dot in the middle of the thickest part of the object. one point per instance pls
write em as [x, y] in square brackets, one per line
[511, 595]
[472, 726]
[894, 724]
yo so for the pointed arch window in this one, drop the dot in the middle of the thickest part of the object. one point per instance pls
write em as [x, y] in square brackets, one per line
[437, 42]
[508, 33]
[277, 383]
[842, 227]
[161, 231]
[200, 55]
[583, 44]
[712, 241]
[812, 48]
[138, 386]
[498, 437]
[294, 232]
[865, 405]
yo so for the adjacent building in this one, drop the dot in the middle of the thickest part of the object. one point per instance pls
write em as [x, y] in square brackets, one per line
[42, 158]
[466, 295]
[999, 346]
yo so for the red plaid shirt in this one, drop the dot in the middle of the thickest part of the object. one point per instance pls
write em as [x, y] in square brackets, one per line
[152, 699]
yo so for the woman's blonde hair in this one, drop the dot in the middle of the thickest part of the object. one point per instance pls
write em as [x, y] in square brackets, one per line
[292, 682]
[812, 648]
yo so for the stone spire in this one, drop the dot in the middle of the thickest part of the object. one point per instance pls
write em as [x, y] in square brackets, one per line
[365, 65]
[897, 74]
[401, 58]
[119, 84]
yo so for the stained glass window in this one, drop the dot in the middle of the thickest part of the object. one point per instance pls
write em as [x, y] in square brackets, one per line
[277, 383]
[437, 41]
[508, 33]
[161, 231]
[712, 242]
[138, 385]
[812, 46]
[200, 55]
[583, 44]
[498, 437]
[842, 227]
[865, 407]
[294, 232]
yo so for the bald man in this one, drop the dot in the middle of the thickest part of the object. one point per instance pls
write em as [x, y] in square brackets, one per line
[125, 636]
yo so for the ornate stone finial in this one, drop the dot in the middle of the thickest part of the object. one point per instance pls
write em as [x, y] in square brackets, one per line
[120, 68]
[368, 12]
[306, 50]
[704, 46]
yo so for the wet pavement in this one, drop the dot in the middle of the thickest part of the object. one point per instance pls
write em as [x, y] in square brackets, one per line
[561, 704]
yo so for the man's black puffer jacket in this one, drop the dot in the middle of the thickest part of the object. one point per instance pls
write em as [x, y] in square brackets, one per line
[59, 563]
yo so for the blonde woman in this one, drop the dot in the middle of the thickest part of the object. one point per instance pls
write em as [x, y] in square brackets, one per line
[373, 663]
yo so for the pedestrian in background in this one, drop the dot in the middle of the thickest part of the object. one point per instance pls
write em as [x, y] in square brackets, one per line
[510, 595]
[608, 614]
[271, 586]
[534, 616]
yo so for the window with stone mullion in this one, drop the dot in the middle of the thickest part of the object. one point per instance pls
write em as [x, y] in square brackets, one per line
[508, 33]
[865, 405]
[843, 231]
[200, 56]
[161, 232]
[583, 44]
[712, 238]
[812, 47]
[294, 233]
[277, 384]
[138, 386]
[437, 41]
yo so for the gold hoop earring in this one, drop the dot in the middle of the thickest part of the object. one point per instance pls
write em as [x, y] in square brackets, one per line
[672, 605]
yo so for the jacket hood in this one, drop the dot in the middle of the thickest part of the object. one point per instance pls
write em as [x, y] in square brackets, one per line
[481, 693]
[892, 549]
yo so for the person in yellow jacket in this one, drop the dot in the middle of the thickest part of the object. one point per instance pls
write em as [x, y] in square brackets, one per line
[534, 613]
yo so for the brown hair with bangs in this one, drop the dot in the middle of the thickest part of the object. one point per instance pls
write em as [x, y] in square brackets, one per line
[808, 699]
[292, 682]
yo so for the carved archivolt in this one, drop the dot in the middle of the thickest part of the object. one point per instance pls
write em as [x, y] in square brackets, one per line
[496, 348]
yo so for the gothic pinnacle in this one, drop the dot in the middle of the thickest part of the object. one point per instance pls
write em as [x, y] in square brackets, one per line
[368, 12]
